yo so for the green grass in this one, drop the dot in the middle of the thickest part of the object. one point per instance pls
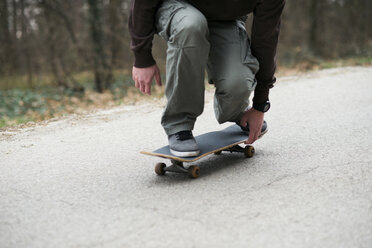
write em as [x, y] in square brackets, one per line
[22, 104]
[3, 123]
[364, 61]
[85, 79]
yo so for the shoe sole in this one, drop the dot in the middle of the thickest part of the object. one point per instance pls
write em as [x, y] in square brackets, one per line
[196, 153]
[185, 154]
[263, 133]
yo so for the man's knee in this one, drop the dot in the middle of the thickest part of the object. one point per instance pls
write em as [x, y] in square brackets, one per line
[232, 97]
[238, 86]
[192, 30]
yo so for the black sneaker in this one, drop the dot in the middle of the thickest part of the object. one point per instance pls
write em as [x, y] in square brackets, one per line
[183, 144]
[264, 128]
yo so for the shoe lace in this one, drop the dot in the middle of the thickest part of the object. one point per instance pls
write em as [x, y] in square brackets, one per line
[184, 135]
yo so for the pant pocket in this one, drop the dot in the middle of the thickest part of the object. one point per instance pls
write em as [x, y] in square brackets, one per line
[164, 17]
[247, 58]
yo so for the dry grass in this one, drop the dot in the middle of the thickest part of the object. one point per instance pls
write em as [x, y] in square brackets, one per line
[89, 101]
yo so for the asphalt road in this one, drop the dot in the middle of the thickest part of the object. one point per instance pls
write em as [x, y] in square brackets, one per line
[81, 182]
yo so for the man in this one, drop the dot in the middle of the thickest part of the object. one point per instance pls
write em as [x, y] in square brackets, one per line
[207, 35]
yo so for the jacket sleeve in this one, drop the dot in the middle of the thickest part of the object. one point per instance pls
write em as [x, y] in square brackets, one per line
[141, 26]
[265, 34]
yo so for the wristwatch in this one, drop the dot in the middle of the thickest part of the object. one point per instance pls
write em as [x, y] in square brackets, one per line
[263, 107]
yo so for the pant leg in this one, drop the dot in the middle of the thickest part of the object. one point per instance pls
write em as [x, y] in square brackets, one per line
[186, 30]
[231, 68]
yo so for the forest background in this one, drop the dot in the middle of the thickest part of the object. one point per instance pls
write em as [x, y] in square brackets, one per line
[59, 57]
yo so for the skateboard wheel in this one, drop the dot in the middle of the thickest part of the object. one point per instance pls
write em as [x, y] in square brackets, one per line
[159, 169]
[193, 171]
[249, 151]
[218, 153]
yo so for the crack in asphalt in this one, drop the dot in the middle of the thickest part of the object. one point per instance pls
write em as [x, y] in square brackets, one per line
[285, 176]
[29, 195]
[170, 215]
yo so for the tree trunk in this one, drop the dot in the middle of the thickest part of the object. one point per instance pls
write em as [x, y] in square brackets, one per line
[25, 44]
[115, 32]
[50, 42]
[101, 69]
[15, 62]
[313, 32]
[5, 38]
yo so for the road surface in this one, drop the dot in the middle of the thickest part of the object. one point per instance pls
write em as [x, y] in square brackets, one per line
[80, 181]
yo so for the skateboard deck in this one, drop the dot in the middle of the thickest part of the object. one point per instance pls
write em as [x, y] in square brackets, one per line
[227, 139]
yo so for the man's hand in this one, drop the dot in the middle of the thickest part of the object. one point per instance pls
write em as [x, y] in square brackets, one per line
[143, 78]
[254, 118]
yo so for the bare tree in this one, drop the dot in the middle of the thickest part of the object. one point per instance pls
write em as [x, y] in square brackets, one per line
[102, 71]
[5, 38]
[64, 38]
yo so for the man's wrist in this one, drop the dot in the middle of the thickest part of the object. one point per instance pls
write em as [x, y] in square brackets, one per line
[143, 59]
[261, 94]
[261, 98]
[262, 107]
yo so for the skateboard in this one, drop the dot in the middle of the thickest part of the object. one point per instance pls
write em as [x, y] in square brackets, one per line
[215, 142]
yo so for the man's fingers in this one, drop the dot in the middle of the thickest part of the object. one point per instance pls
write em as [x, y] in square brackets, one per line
[143, 78]
[142, 87]
[148, 88]
[135, 81]
[258, 132]
[243, 121]
[250, 139]
[253, 136]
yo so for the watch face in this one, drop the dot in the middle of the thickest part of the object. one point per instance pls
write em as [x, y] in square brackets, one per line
[263, 107]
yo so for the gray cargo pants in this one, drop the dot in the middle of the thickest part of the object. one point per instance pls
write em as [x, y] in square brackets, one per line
[195, 44]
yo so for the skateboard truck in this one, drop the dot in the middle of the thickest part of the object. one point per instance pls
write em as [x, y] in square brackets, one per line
[177, 166]
[194, 171]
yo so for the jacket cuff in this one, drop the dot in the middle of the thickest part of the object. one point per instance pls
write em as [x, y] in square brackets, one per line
[261, 95]
[143, 59]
